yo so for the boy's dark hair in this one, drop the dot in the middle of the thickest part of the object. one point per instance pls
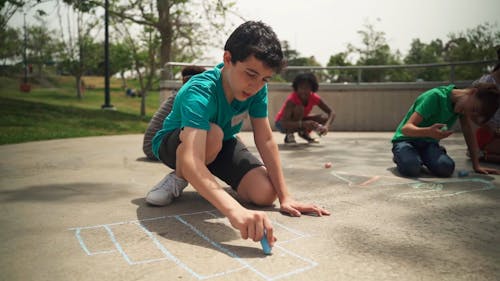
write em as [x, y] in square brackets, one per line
[189, 71]
[258, 39]
[489, 97]
[307, 77]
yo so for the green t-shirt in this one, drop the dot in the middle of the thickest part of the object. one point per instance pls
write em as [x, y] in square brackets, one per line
[435, 106]
[202, 101]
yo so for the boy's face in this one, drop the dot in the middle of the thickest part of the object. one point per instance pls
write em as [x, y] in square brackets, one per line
[244, 79]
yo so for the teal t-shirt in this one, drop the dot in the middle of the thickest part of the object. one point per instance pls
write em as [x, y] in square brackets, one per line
[202, 101]
[435, 106]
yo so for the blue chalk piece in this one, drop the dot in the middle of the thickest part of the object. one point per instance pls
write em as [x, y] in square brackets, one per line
[265, 245]
[463, 173]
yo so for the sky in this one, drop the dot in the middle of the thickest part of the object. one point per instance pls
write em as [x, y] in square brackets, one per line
[321, 28]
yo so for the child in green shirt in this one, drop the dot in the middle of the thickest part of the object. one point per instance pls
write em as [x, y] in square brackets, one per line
[416, 141]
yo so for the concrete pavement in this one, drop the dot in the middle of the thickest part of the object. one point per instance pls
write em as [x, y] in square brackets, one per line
[74, 209]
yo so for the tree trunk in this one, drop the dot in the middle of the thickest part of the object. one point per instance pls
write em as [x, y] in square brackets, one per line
[143, 102]
[79, 90]
[165, 28]
[124, 82]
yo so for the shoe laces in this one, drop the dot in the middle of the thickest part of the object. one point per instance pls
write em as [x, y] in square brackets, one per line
[171, 183]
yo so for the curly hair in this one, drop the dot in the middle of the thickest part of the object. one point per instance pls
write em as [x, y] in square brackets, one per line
[307, 77]
[489, 98]
[258, 39]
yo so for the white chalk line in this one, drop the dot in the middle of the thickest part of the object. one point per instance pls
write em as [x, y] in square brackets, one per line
[221, 248]
[170, 256]
[416, 184]
[84, 246]
[298, 270]
[439, 187]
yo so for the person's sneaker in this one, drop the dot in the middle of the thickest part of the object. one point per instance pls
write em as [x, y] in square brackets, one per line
[164, 192]
[307, 137]
[290, 139]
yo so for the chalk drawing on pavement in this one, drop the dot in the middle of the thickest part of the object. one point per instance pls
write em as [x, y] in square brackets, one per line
[422, 189]
[136, 244]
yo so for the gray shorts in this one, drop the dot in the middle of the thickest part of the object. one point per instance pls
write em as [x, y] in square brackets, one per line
[231, 164]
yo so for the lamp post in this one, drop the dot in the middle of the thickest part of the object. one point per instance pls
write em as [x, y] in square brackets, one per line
[106, 105]
[25, 86]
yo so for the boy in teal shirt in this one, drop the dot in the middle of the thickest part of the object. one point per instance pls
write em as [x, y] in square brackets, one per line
[198, 136]
[416, 141]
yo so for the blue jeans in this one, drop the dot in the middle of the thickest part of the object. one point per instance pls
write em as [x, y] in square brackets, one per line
[410, 155]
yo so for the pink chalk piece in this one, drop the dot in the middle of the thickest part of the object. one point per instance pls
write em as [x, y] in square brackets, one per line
[328, 165]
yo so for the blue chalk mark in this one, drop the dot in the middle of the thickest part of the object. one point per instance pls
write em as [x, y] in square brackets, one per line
[463, 173]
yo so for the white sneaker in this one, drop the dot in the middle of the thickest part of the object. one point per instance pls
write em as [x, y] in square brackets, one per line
[164, 192]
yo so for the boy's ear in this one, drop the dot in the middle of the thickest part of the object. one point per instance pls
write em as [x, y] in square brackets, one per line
[227, 57]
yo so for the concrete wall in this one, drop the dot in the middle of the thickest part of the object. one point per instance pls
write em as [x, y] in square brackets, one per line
[364, 107]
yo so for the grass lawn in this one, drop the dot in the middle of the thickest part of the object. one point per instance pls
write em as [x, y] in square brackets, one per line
[55, 112]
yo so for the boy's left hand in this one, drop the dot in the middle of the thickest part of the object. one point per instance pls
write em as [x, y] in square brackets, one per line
[296, 209]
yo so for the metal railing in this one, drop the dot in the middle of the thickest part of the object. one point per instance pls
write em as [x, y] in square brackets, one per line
[170, 68]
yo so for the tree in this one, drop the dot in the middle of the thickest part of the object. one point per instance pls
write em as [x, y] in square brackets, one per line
[121, 59]
[340, 59]
[422, 53]
[42, 46]
[479, 43]
[144, 61]
[80, 53]
[184, 26]
[294, 59]
[9, 45]
[374, 51]
[137, 53]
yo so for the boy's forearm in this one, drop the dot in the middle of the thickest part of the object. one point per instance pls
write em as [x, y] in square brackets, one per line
[270, 156]
[411, 130]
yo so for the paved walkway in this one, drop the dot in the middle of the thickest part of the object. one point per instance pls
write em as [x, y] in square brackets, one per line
[74, 210]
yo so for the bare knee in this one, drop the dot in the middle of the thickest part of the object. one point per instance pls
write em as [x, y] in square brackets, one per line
[256, 187]
[214, 142]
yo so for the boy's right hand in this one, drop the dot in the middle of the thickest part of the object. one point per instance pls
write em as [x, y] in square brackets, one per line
[436, 132]
[251, 224]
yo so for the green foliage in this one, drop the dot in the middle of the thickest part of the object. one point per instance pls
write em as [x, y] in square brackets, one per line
[374, 51]
[50, 113]
[477, 44]
[340, 59]
[294, 59]
[24, 121]
[421, 53]
[10, 44]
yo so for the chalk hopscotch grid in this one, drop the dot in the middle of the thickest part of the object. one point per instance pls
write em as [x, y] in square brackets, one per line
[423, 186]
[169, 256]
